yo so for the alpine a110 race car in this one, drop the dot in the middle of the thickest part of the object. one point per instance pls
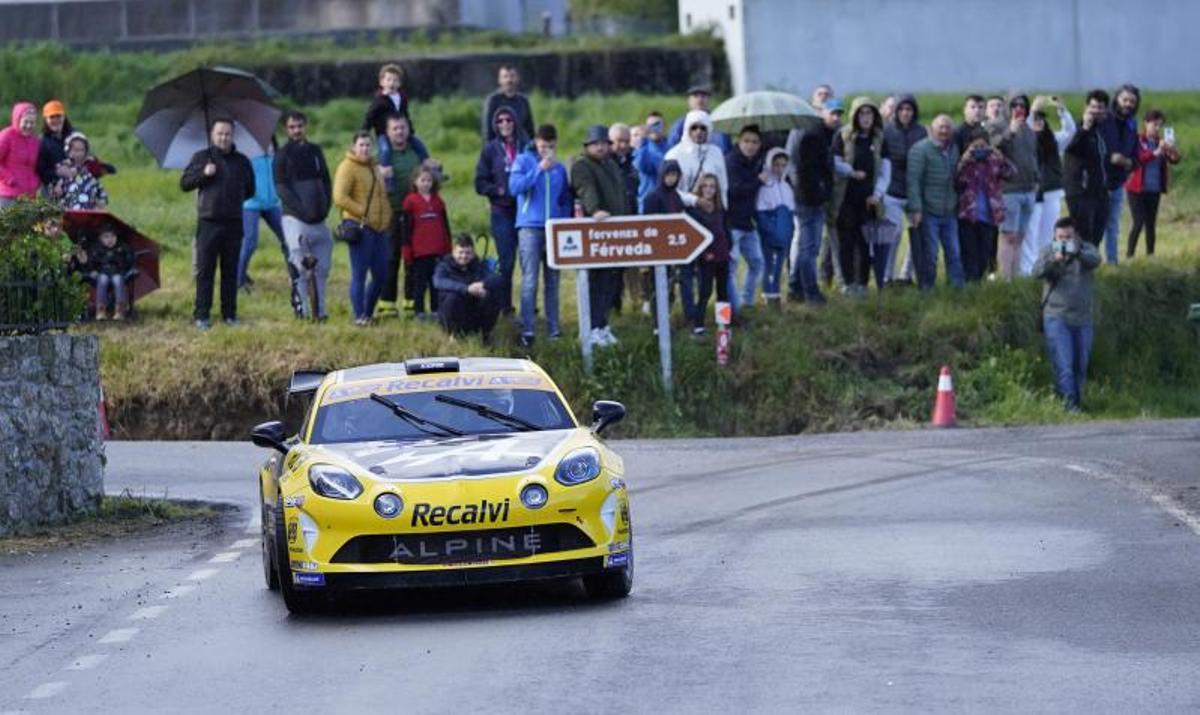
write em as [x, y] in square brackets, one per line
[441, 472]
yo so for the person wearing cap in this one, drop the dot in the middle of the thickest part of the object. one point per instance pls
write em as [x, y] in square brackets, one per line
[600, 190]
[698, 97]
[821, 94]
[18, 155]
[55, 130]
[810, 169]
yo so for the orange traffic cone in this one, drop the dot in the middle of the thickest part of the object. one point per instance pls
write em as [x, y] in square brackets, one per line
[943, 407]
[105, 431]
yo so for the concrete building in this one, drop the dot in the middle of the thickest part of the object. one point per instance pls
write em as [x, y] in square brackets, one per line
[952, 45]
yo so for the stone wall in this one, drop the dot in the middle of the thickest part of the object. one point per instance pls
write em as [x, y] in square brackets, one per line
[564, 74]
[51, 455]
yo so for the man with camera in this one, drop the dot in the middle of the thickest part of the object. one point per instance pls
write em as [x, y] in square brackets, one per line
[1068, 266]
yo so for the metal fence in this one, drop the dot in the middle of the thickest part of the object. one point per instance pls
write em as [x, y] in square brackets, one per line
[32, 305]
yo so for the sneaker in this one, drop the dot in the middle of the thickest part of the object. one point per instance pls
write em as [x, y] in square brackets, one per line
[526, 341]
[698, 330]
[119, 314]
[203, 324]
[361, 322]
[596, 338]
[609, 338]
[386, 309]
[555, 335]
[232, 322]
[101, 314]
[645, 307]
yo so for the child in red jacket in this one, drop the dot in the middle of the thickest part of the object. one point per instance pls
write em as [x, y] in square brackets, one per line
[429, 236]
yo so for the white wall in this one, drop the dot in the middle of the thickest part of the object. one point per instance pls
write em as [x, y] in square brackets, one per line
[956, 45]
[700, 14]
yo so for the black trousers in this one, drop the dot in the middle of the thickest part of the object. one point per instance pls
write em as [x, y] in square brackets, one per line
[396, 239]
[1144, 207]
[710, 272]
[1090, 214]
[852, 248]
[975, 239]
[217, 243]
[422, 272]
[603, 286]
[461, 313]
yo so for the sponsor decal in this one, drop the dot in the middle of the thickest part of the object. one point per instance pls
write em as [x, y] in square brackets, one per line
[304, 565]
[499, 545]
[360, 390]
[618, 546]
[308, 579]
[484, 512]
[293, 530]
[297, 500]
[296, 549]
[618, 559]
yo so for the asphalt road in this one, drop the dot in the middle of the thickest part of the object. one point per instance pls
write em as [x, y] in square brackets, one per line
[1030, 570]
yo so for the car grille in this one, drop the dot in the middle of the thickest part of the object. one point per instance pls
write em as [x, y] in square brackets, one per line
[462, 546]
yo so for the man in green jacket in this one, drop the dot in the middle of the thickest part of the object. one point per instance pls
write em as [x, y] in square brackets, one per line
[932, 201]
[1067, 266]
[600, 190]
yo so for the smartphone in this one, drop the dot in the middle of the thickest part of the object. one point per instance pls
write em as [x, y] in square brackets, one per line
[1169, 135]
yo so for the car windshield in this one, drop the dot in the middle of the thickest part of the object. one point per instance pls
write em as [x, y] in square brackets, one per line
[366, 420]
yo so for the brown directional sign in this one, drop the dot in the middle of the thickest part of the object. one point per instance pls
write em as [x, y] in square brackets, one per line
[619, 241]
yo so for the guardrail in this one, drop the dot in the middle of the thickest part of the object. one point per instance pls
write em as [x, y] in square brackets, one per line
[34, 305]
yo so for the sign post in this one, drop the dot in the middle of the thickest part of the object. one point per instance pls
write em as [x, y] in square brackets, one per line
[624, 242]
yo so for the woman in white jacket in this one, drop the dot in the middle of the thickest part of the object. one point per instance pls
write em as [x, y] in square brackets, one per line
[697, 156]
[1051, 145]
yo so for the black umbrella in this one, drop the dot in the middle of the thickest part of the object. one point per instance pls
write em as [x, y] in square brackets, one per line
[173, 122]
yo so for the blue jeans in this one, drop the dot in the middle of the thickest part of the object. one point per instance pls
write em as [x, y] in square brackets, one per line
[748, 246]
[532, 249]
[274, 219]
[368, 255]
[504, 230]
[687, 275]
[1069, 347]
[943, 231]
[803, 278]
[1112, 229]
[772, 270]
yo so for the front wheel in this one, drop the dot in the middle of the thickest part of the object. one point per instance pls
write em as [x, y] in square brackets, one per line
[297, 600]
[611, 584]
[270, 572]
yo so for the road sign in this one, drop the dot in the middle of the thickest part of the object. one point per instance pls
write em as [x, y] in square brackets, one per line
[622, 241]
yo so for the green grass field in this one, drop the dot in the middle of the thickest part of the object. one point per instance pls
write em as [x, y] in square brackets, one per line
[852, 365]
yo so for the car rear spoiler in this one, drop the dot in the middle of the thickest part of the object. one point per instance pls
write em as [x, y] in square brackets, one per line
[305, 382]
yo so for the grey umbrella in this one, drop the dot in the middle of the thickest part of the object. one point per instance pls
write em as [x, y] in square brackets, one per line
[173, 121]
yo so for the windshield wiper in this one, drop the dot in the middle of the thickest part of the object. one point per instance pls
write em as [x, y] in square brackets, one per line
[485, 411]
[414, 419]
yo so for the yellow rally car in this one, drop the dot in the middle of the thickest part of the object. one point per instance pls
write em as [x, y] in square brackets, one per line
[440, 472]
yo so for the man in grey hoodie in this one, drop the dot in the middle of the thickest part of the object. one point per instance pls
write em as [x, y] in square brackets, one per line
[1018, 143]
[303, 183]
[899, 136]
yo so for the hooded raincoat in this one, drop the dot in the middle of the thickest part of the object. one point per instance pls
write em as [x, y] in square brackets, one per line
[18, 157]
[696, 160]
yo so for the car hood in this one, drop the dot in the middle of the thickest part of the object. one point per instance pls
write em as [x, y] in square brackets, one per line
[468, 456]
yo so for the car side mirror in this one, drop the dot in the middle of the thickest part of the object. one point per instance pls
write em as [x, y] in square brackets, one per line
[605, 413]
[270, 435]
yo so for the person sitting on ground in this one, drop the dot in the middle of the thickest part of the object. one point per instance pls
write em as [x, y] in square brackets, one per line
[389, 100]
[1068, 267]
[774, 207]
[109, 259]
[77, 188]
[426, 214]
[468, 295]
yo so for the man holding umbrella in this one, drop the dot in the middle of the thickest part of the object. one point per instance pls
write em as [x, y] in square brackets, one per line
[224, 178]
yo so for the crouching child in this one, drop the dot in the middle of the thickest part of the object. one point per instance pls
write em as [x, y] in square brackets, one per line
[109, 260]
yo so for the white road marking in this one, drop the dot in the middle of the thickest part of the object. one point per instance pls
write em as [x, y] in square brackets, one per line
[244, 543]
[46, 690]
[86, 662]
[1161, 500]
[225, 557]
[148, 613]
[120, 635]
[178, 591]
[201, 574]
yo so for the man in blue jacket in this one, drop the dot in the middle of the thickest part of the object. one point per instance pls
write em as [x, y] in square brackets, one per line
[1119, 131]
[648, 157]
[539, 182]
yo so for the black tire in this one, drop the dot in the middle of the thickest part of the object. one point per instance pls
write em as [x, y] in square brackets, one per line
[612, 584]
[297, 600]
[270, 570]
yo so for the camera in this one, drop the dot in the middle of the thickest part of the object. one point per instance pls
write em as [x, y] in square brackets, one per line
[1067, 248]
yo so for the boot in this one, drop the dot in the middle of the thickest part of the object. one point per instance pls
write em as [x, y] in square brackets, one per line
[386, 309]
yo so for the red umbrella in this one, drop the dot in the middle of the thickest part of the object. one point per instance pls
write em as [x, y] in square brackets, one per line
[84, 226]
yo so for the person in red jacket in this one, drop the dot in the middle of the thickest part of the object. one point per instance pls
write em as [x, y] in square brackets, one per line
[19, 146]
[1148, 182]
[429, 236]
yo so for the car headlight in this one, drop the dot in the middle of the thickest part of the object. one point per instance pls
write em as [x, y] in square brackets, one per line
[578, 467]
[333, 482]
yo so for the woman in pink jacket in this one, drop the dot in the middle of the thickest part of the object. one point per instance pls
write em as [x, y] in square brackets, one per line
[19, 145]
